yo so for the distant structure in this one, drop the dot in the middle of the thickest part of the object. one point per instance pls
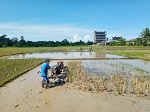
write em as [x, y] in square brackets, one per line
[99, 36]
[116, 38]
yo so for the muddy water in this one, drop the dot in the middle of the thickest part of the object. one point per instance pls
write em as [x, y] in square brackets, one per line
[65, 55]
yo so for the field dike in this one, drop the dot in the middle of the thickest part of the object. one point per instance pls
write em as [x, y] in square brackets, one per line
[116, 83]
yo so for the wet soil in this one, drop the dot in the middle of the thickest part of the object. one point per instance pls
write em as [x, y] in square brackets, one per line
[25, 94]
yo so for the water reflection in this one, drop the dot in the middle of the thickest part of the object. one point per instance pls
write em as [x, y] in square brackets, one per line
[123, 67]
[99, 67]
[65, 55]
[97, 55]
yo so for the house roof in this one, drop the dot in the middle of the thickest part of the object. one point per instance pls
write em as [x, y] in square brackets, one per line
[133, 40]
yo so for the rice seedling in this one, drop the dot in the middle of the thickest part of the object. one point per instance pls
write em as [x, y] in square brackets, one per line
[11, 69]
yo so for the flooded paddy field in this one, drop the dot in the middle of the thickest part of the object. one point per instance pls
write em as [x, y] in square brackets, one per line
[119, 66]
[65, 55]
[96, 63]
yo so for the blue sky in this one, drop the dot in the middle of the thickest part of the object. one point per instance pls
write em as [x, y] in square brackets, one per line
[55, 20]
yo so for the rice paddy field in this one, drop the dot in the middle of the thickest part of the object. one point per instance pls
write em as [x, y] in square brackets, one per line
[109, 67]
[138, 52]
[135, 52]
[10, 69]
[15, 50]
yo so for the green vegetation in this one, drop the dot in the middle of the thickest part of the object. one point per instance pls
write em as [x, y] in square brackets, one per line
[136, 52]
[7, 42]
[11, 69]
[13, 50]
[143, 40]
[120, 42]
[145, 37]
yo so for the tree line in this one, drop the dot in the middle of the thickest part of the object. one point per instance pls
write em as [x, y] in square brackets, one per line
[143, 40]
[15, 42]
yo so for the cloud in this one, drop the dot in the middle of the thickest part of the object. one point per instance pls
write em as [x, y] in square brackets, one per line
[85, 38]
[58, 32]
[35, 32]
[76, 38]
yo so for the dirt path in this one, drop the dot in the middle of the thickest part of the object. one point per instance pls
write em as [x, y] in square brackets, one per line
[26, 95]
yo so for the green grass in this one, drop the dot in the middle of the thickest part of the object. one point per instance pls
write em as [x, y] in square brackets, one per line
[13, 50]
[11, 69]
[137, 52]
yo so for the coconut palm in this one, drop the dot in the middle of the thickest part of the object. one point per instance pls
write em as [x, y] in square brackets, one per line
[145, 35]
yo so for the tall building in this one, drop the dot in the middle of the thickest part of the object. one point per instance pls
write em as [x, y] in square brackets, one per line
[99, 36]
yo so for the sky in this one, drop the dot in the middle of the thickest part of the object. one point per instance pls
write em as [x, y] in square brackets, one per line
[74, 20]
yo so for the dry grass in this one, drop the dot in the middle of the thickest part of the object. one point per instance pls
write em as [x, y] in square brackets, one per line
[116, 83]
[140, 85]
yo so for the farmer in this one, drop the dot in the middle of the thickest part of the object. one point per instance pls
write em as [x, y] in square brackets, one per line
[44, 70]
[61, 64]
[58, 68]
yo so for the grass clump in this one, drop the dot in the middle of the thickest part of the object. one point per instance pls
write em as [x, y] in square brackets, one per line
[140, 85]
[77, 75]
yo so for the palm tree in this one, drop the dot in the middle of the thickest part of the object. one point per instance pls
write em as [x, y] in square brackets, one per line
[139, 41]
[122, 41]
[145, 35]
